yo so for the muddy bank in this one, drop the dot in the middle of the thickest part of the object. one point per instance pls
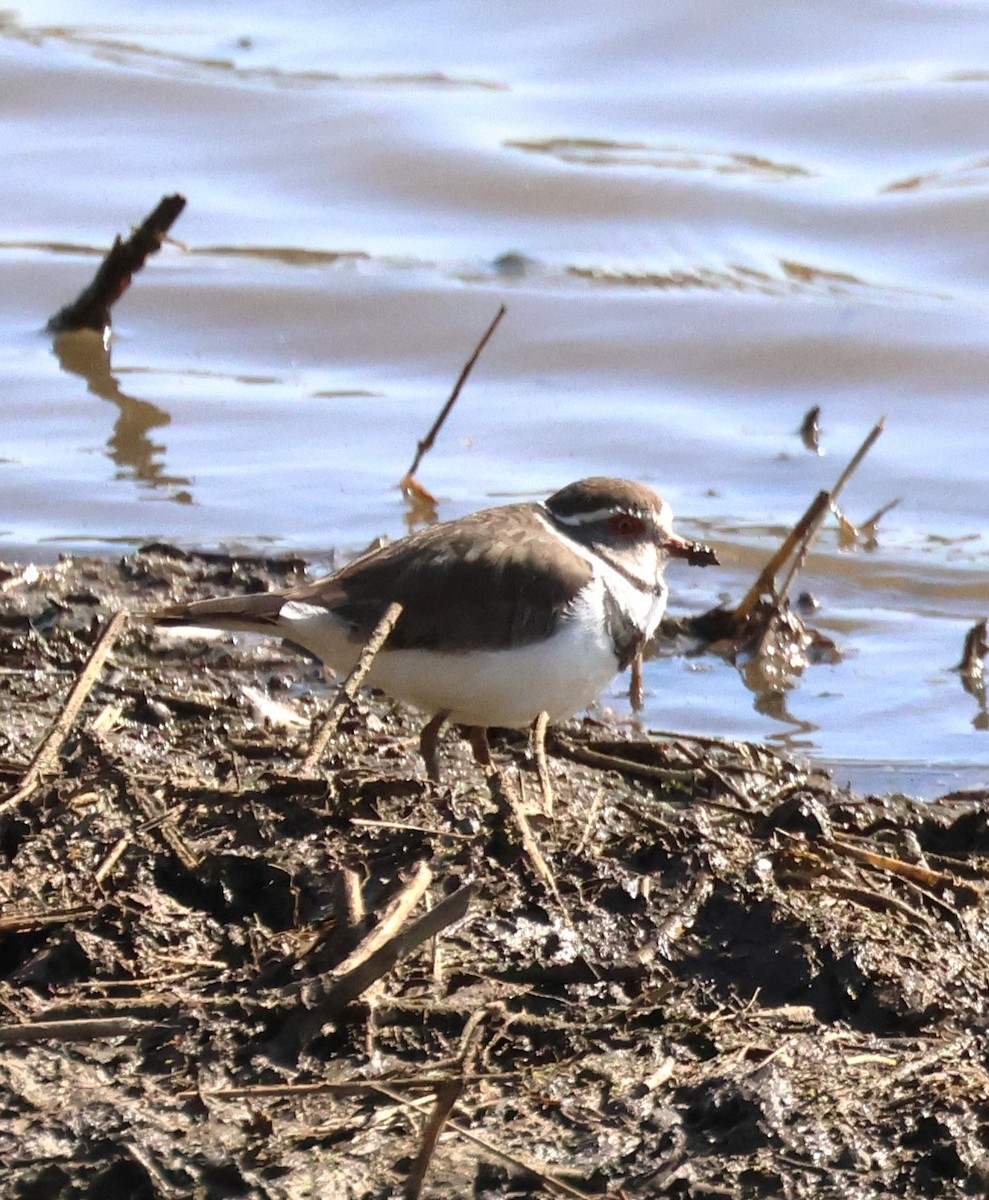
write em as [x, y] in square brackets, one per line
[705, 973]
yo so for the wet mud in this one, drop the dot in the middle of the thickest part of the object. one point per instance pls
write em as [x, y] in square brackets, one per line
[687, 968]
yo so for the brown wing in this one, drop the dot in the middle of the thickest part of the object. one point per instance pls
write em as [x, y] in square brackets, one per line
[493, 579]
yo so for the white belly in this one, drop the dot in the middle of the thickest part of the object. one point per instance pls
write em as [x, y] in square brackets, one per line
[561, 675]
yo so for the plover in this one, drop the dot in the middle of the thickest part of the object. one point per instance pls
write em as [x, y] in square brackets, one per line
[507, 613]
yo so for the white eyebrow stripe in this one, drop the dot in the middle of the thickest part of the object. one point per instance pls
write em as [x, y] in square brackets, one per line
[585, 518]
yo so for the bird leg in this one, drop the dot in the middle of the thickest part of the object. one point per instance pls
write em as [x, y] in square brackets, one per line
[477, 735]
[428, 741]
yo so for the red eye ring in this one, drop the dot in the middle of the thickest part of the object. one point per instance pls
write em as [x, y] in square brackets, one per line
[626, 525]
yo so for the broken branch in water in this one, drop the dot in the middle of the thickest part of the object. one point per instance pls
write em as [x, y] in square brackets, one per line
[869, 528]
[776, 642]
[734, 623]
[801, 537]
[91, 308]
[412, 488]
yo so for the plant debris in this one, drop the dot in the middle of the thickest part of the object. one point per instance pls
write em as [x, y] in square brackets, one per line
[763, 635]
[709, 973]
[422, 502]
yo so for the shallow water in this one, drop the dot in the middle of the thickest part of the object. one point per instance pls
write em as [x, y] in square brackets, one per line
[703, 221]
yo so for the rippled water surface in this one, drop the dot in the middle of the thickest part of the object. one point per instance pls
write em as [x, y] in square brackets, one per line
[704, 219]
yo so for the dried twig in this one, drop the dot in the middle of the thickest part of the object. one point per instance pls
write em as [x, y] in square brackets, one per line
[91, 308]
[592, 816]
[878, 902]
[161, 1184]
[939, 880]
[117, 852]
[446, 1097]
[547, 1178]
[84, 1029]
[627, 766]
[349, 1087]
[392, 919]
[380, 951]
[507, 798]
[799, 535]
[797, 543]
[408, 483]
[856, 460]
[45, 759]
[349, 687]
[353, 897]
[24, 922]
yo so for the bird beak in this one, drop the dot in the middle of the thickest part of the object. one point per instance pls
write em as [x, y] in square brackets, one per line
[696, 553]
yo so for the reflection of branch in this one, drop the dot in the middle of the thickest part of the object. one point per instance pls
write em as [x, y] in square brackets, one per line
[91, 308]
[972, 670]
[84, 354]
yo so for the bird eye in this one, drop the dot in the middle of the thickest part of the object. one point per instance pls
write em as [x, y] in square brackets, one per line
[625, 525]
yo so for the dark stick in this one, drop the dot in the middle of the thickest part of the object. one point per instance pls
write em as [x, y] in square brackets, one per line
[447, 1096]
[91, 308]
[551, 1182]
[427, 442]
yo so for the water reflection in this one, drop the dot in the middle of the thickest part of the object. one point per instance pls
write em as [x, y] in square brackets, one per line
[770, 690]
[972, 670]
[137, 457]
[977, 688]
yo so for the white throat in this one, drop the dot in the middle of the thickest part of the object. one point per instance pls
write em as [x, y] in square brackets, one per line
[642, 606]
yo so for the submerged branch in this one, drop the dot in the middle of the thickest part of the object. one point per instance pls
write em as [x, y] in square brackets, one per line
[91, 308]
